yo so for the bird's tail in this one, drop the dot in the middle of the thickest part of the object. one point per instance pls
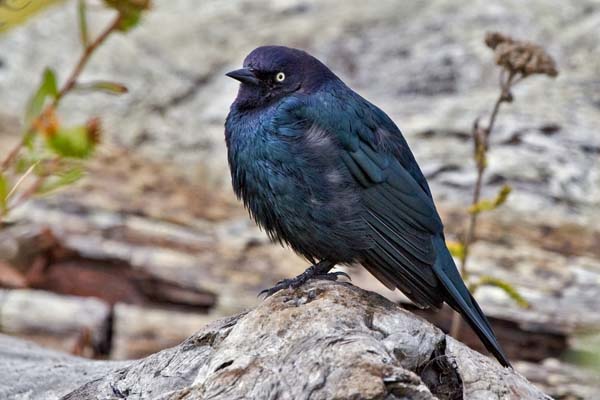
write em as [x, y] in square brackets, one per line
[462, 301]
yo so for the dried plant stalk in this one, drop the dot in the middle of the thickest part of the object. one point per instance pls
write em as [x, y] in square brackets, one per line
[517, 60]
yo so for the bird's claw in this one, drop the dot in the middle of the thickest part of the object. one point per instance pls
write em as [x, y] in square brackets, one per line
[283, 284]
[298, 281]
[332, 276]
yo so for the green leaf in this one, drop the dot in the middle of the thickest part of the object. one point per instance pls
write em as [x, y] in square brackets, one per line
[502, 195]
[130, 12]
[47, 88]
[4, 190]
[456, 249]
[16, 12]
[74, 142]
[129, 20]
[83, 27]
[62, 179]
[488, 205]
[509, 289]
[105, 86]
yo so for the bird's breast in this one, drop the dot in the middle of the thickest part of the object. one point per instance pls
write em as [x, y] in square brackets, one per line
[295, 187]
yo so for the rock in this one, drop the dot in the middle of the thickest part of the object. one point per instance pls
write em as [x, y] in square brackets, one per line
[432, 77]
[324, 340]
[139, 331]
[32, 372]
[562, 380]
[69, 323]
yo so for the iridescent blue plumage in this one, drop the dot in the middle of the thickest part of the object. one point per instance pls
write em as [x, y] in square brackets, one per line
[325, 171]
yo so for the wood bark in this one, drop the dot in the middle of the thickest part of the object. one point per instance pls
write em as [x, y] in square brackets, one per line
[325, 340]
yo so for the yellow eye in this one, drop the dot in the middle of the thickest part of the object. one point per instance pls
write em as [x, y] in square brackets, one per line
[280, 77]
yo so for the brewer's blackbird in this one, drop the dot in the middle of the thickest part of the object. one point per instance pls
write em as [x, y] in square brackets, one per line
[328, 173]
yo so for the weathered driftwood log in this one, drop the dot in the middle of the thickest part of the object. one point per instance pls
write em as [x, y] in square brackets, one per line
[325, 340]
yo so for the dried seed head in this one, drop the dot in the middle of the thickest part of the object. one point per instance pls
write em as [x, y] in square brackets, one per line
[520, 57]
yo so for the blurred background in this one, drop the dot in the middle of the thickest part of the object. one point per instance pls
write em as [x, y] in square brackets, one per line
[151, 244]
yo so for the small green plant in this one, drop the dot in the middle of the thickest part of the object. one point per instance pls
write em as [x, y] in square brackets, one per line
[49, 154]
[517, 60]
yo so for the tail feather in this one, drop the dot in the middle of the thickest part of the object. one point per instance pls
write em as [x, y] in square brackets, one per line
[462, 301]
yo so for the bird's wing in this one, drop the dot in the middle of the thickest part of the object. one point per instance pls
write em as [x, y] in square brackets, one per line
[397, 203]
[408, 251]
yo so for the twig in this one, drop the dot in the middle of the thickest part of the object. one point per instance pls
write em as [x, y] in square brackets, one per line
[481, 166]
[11, 155]
[68, 85]
[85, 57]
[481, 139]
[518, 59]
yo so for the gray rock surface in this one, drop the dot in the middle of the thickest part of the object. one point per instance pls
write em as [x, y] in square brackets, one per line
[324, 340]
[138, 331]
[55, 320]
[31, 372]
[423, 62]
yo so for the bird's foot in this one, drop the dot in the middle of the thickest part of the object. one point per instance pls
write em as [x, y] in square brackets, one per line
[317, 271]
[332, 276]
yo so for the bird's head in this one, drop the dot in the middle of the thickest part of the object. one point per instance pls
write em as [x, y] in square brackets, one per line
[271, 73]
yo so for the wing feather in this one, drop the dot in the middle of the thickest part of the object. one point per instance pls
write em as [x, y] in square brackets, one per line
[398, 210]
[407, 249]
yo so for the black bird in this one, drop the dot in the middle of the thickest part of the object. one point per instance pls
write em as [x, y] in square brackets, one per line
[328, 173]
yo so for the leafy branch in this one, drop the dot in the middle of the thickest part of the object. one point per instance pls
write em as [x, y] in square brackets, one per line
[48, 152]
[517, 60]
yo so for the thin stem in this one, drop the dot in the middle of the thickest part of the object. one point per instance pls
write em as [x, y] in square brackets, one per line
[481, 167]
[51, 167]
[69, 84]
[11, 155]
[85, 57]
[481, 138]
[21, 179]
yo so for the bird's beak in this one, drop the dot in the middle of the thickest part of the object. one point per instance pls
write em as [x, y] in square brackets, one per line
[244, 75]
